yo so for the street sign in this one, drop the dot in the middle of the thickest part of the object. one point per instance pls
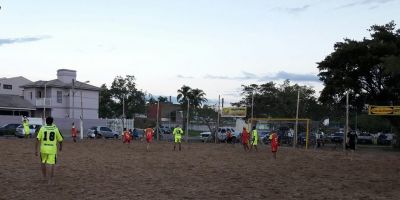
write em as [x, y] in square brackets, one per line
[233, 112]
[383, 110]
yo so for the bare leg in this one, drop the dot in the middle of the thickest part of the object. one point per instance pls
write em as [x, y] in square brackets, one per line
[274, 155]
[180, 146]
[43, 170]
[174, 146]
[255, 147]
[147, 148]
[51, 175]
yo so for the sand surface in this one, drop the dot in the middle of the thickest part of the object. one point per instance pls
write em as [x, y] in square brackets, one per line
[107, 169]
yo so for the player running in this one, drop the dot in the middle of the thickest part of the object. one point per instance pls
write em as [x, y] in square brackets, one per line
[149, 137]
[48, 137]
[177, 136]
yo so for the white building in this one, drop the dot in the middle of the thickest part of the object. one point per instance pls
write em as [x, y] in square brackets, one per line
[11, 86]
[64, 97]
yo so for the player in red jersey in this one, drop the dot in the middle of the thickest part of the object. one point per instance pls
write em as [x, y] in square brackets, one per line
[245, 139]
[73, 132]
[273, 137]
[149, 137]
[126, 136]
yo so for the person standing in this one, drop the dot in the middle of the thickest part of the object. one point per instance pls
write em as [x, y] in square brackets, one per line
[255, 138]
[48, 137]
[149, 132]
[273, 137]
[73, 132]
[351, 144]
[126, 137]
[245, 139]
[177, 136]
[25, 124]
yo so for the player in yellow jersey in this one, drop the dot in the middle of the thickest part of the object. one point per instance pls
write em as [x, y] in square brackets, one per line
[48, 137]
[177, 136]
[25, 124]
[255, 138]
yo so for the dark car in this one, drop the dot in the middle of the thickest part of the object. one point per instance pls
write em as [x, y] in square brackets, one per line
[385, 139]
[8, 129]
[365, 138]
[337, 138]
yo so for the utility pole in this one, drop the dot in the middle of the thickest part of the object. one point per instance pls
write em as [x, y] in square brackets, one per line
[187, 122]
[158, 126]
[44, 101]
[297, 119]
[217, 127]
[81, 115]
[346, 129]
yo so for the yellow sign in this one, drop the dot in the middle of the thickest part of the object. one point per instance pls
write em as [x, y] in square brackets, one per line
[234, 112]
[384, 110]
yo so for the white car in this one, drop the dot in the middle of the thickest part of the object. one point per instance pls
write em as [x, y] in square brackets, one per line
[222, 134]
[101, 131]
[33, 130]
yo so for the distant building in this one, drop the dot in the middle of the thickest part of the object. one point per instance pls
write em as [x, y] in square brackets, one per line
[167, 112]
[64, 97]
[11, 86]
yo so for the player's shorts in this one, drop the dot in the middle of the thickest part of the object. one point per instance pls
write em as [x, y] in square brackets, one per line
[127, 140]
[178, 139]
[244, 141]
[255, 142]
[50, 159]
[274, 148]
[26, 131]
[149, 139]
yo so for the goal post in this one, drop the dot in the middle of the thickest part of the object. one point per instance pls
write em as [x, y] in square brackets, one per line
[254, 121]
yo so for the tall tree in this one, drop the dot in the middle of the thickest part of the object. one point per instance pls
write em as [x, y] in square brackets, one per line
[106, 103]
[369, 69]
[124, 90]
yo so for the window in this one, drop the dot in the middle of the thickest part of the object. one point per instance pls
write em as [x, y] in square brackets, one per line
[59, 96]
[7, 87]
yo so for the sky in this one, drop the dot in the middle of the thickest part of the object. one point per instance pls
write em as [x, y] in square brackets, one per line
[213, 45]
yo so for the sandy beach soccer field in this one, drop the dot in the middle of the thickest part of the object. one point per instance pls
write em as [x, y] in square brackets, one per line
[107, 169]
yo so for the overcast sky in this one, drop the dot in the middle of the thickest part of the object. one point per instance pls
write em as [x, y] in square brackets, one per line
[214, 45]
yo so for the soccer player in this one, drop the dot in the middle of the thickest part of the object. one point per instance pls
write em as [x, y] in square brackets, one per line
[245, 139]
[274, 143]
[255, 138]
[351, 144]
[25, 124]
[149, 137]
[177, 136]
[73, 132]
[126, 137]
[48, 137]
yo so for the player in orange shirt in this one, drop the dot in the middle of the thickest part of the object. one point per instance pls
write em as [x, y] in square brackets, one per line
[245, 139]
[126, 137]
[73, 132]
[149, 137]
[274, 143]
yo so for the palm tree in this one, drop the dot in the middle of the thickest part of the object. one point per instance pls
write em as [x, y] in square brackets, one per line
[183, 95]
[197, 98]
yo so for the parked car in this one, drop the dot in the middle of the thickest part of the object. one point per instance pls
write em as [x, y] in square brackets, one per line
[101, 131]
[166, 130]
[222, 131]
[337, 137]
[385, 139]
[205, 136]
[33, 130]
[8, 129]
[365, 138]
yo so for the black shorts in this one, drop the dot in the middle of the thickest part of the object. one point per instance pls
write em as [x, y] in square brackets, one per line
[351, 146]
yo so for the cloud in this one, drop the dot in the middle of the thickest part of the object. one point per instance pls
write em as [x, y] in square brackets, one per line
[293, 10]
[282, 75]
[245, 75]
[4, 41]
[375, 3]
[291, 76]
[184, 77]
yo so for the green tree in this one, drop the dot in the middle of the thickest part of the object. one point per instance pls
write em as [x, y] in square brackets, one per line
[369, 69]
[125, 89]
[106, 103]
[162, 99]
